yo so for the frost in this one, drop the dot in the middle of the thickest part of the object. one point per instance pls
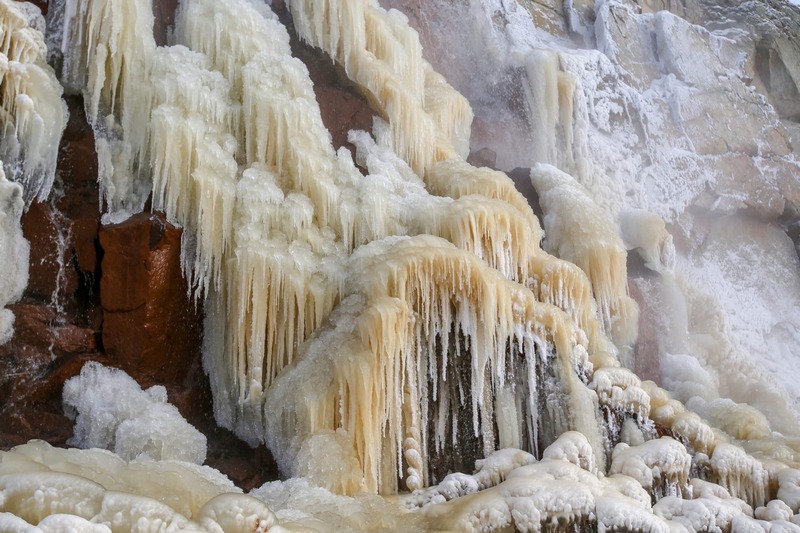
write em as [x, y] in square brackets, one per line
[580, 232]
[392, 331]
[661, 466]
[647, 234]
[392, 361]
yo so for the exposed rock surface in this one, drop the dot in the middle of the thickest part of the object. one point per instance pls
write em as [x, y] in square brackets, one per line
[149, 323]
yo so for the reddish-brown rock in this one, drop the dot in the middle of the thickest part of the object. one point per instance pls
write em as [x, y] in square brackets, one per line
[120, 295]
[44, 229]
[83, 232]
[44, 351]
[151, 326]
[522, 182]
[646, 363]
[485, 157]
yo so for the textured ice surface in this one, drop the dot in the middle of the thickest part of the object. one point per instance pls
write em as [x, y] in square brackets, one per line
[14, 250]
[644, 147]
[111, 411]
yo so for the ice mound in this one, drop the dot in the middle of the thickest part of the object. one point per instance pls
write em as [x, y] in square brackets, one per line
[111, 411]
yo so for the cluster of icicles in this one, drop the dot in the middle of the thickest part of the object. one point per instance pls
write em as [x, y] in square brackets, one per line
[360, 325]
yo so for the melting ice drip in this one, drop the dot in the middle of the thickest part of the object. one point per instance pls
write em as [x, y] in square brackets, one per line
[367, 327]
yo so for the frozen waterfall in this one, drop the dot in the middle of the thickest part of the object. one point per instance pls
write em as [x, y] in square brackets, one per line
[608, 341]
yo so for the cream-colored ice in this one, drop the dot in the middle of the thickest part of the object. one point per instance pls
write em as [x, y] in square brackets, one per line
[32, 114]
[40, 483]
[582, 233]
[421, 317]
[241, 159]
[15, 250]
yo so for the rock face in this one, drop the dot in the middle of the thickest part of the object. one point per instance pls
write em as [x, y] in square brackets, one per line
[58, 323]
[149, 323]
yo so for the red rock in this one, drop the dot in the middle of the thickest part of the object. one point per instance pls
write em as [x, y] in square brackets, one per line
[84, 241]
[77, 166]
[126, 250]
[40, 228]
[151, 327]
[74, 339]
[646, 353]
[33, 408]
[32, 335]
[522, 182]
[53, 427]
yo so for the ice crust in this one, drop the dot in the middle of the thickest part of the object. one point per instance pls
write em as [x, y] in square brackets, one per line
[629, 125]
[272, 214]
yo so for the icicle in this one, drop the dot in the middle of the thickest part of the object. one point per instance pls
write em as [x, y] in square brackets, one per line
[578, 231]
[108, 48]
[543, 105]
[268, 247]
[661, 466]
[381, 53]
[742, 475]
[573, 447]
[619, 389]
[406, 279]
[32, 114]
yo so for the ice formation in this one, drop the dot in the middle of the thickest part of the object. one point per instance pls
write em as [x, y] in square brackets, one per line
[404, 375]
[112, 412]
[582, 233]
[560, 493]
[661, 466]
[33, 115]
[268, 246]
[389, 331]
[15, 250]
